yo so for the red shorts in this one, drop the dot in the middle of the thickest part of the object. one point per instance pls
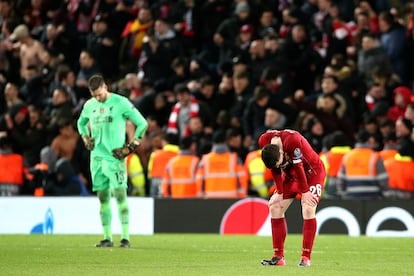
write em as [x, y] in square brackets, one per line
[291, 187]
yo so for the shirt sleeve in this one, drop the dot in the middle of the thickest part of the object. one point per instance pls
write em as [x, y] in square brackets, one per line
[136, 117]
[83, 121]
[278, 179]
[294, 150]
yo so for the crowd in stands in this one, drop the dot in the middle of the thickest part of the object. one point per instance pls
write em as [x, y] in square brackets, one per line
[209, 76]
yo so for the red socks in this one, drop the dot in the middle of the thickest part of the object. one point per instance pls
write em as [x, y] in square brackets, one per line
[309, 232]
[278, 235]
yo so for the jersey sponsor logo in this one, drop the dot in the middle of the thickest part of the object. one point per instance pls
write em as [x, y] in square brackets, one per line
[102, 119]
[297, 154]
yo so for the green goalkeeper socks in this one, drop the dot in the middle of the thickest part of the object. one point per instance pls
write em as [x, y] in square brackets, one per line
[106, 220]
[123, 209]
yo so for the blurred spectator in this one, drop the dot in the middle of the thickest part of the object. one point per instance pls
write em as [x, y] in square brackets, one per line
[199, 135]
[260, 179]
[234, 141]
[409, 112]
[302, 61]
[394, 41]
[335, 145]
[65, 77]
[362, 174]
[268, 23]
[258, 60]
[228, 30]
[254, 114]
[179, 74]
[243, 91]
[88, 67]
[102, 42]
[11, 95]
[27, 131]
[390, 148]
[402, 97]
[60, 108]
[136, 175]
[274, 119]
[11, 169]
[370, 56]
[400, 169]
[314, 134]
[220, 173]
[31, 51]
[158, 161]
[186, 107]
[65, 181]
[179, 176]
[186, 16]
[133, 36]
[158, 51]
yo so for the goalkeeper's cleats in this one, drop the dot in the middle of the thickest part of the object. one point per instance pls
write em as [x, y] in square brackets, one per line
[124, 243]
[276, 260]
[304, 261]
[105, 243]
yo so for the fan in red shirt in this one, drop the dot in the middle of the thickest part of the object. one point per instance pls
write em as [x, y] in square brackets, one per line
[299, 173]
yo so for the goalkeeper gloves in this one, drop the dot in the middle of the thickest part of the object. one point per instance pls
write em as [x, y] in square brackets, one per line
[89, 142]
[121, 153]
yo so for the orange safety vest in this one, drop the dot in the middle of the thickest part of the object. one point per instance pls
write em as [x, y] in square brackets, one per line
[159, 159]
[259, 177]
[334, 159]
[400, 171]
[360, 174]
[11, 169]
[220, 175]
[388, 153]
[179, 177]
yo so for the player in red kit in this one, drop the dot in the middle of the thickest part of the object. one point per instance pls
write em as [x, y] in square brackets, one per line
[298, 172]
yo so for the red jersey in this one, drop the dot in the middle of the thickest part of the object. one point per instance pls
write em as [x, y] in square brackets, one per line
[302, 168]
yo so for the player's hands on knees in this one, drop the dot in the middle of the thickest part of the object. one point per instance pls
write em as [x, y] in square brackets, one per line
[309, 198]
[275, 198]
[89, 142]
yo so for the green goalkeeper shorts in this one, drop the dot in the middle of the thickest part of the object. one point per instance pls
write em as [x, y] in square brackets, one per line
[108, 174]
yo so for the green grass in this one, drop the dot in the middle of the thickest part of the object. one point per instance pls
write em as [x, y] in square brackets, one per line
[199, 254]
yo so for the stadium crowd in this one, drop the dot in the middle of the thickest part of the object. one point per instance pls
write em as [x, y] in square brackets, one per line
[210, 76]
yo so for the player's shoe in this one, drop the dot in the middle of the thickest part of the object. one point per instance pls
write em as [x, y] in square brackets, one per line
[278, 261]
[105, 243]
[124, 243]
[304, 261]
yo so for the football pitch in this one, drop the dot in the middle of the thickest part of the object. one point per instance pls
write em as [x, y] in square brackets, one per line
[201, 254]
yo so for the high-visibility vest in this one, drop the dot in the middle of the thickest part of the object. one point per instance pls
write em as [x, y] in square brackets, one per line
[259, 177]
[359, 173]
[179, 177]
[388, 153]
[136, 174]
[159, 159]
[332, 160]
[401, 173]
[11, 169]
[220, 175]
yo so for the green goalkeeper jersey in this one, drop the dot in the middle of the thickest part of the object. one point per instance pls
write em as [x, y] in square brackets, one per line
[107, 123]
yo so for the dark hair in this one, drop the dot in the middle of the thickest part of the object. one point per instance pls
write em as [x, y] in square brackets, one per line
[185, 143]
[181, 88]
[95, 82]
[270, 155]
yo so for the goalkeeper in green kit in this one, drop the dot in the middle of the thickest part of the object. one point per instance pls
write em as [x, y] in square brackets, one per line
[102, 126]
